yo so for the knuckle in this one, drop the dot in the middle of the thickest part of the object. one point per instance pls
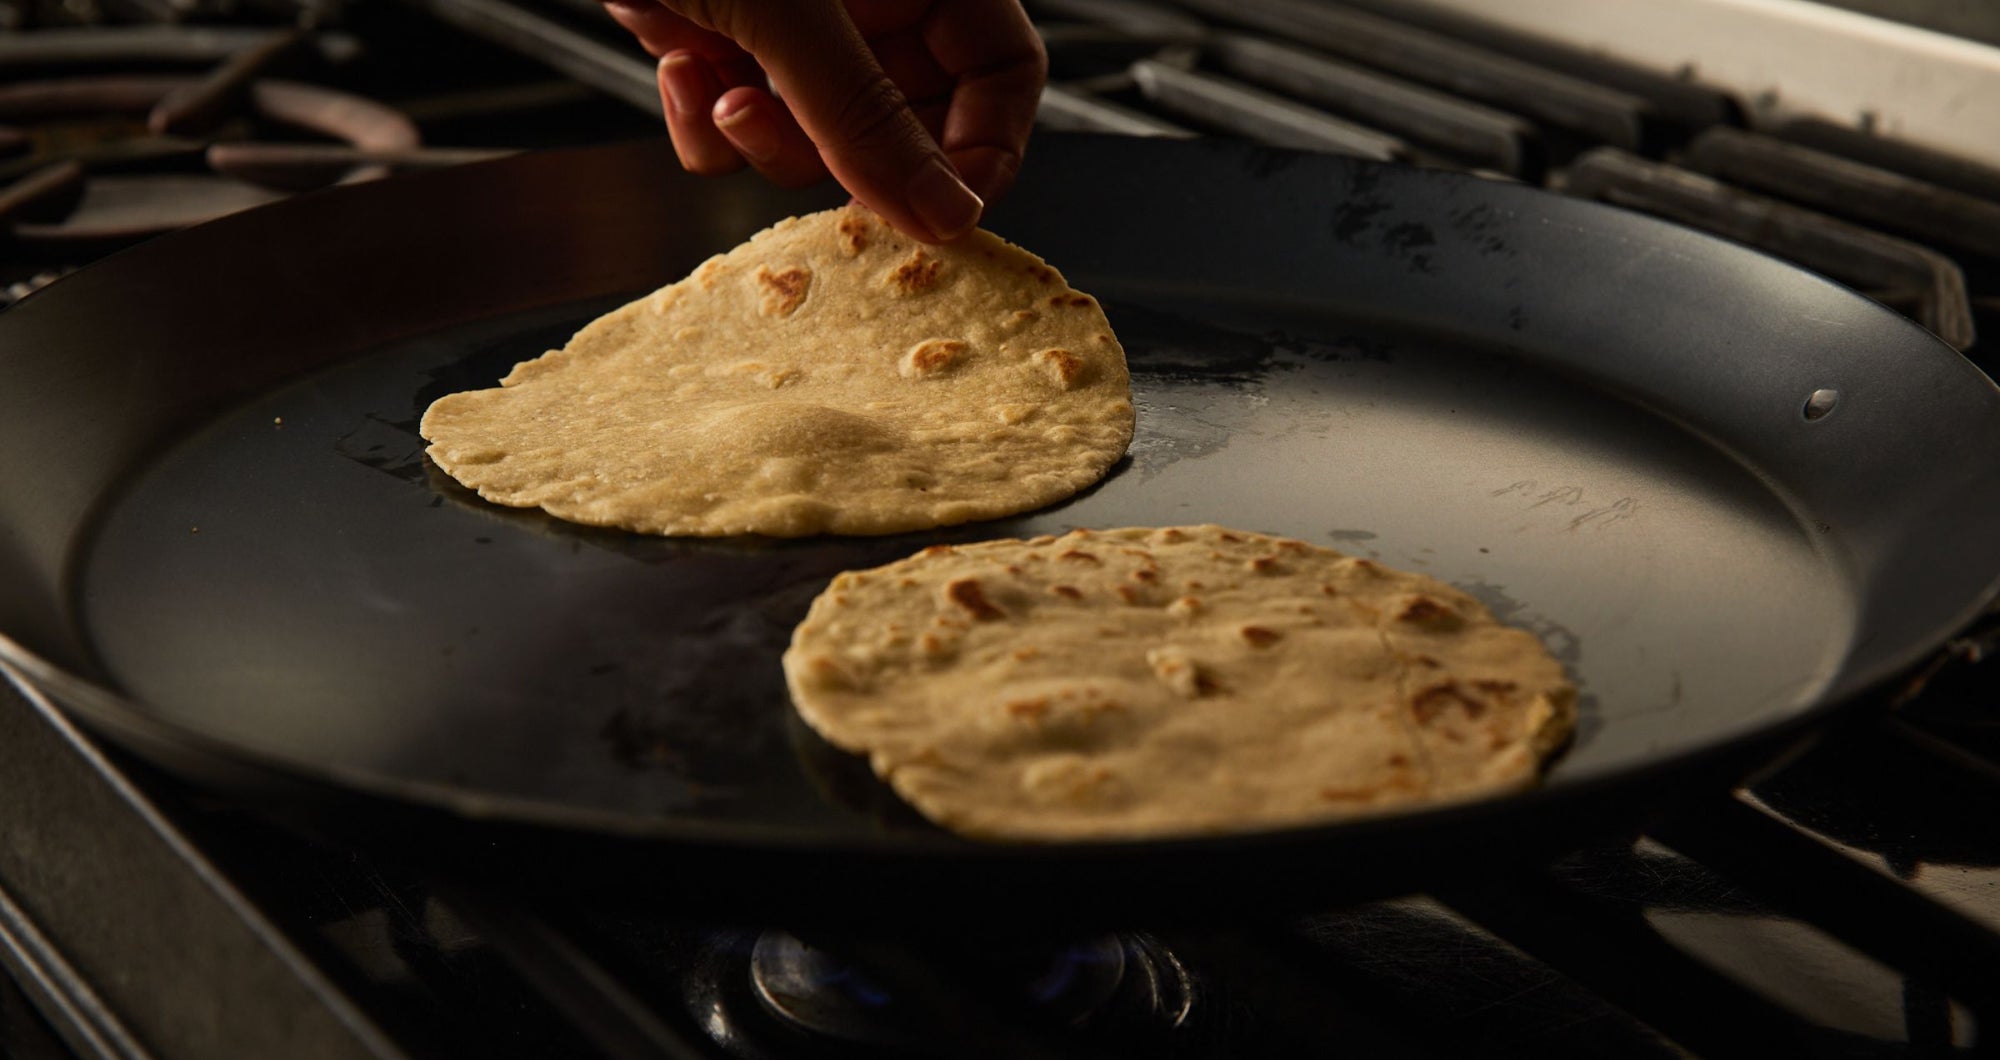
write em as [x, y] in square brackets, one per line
[1036, 61]
[706, 165]
[704, 13]
[711, 166]
[875, 114]
[744, 25]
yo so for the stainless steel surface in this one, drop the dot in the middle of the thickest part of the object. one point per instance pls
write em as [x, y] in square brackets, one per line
[1787, 58]
[115, 980]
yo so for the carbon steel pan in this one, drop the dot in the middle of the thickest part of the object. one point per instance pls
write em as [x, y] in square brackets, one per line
[223, 546]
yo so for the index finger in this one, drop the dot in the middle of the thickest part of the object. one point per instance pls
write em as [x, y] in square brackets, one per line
[860, 121]
[661, 30]
[994, 54]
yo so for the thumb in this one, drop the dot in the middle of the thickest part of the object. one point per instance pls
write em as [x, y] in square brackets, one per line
[870, 140]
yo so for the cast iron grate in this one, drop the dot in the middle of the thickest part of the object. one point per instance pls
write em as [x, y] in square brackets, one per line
[1377, 79]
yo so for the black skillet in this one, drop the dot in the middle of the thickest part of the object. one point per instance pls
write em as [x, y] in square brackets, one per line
[221, 547]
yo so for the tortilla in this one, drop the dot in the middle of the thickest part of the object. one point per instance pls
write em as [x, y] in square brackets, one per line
[828, 376]
[1148, 682]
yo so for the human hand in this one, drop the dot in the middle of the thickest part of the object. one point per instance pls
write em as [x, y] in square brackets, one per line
[920, 108]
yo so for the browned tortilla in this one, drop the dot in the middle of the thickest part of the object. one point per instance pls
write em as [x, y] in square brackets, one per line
[828, 376]
[1147, 682]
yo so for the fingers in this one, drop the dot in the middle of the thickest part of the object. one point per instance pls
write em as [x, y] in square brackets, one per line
[760, 129]
[841, 104]
[660, 31]
[997, 60]
[859, 119]
[688, 94]
[716, 130]
[988, 171]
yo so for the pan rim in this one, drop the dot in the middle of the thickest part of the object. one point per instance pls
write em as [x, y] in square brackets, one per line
[107, 710]
[129, 722]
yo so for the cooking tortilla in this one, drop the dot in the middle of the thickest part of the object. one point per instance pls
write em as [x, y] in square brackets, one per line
[1149, 682]
[828, 376]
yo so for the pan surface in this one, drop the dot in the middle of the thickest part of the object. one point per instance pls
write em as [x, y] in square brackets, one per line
[223, 546]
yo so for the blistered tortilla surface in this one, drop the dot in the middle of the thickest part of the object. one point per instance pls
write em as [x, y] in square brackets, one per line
[1149, 682]
[827, 376]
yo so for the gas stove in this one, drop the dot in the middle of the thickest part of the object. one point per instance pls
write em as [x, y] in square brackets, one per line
[112, 132]
[1846, 902]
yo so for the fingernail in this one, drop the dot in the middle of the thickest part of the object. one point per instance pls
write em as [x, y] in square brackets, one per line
[754, 138]
[682, 77]
[945, 204]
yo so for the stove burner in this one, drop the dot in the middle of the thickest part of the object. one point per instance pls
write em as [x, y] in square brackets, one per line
[820, 992]
[900, 1001]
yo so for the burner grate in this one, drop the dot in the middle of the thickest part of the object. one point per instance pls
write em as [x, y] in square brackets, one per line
[1392, 81]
